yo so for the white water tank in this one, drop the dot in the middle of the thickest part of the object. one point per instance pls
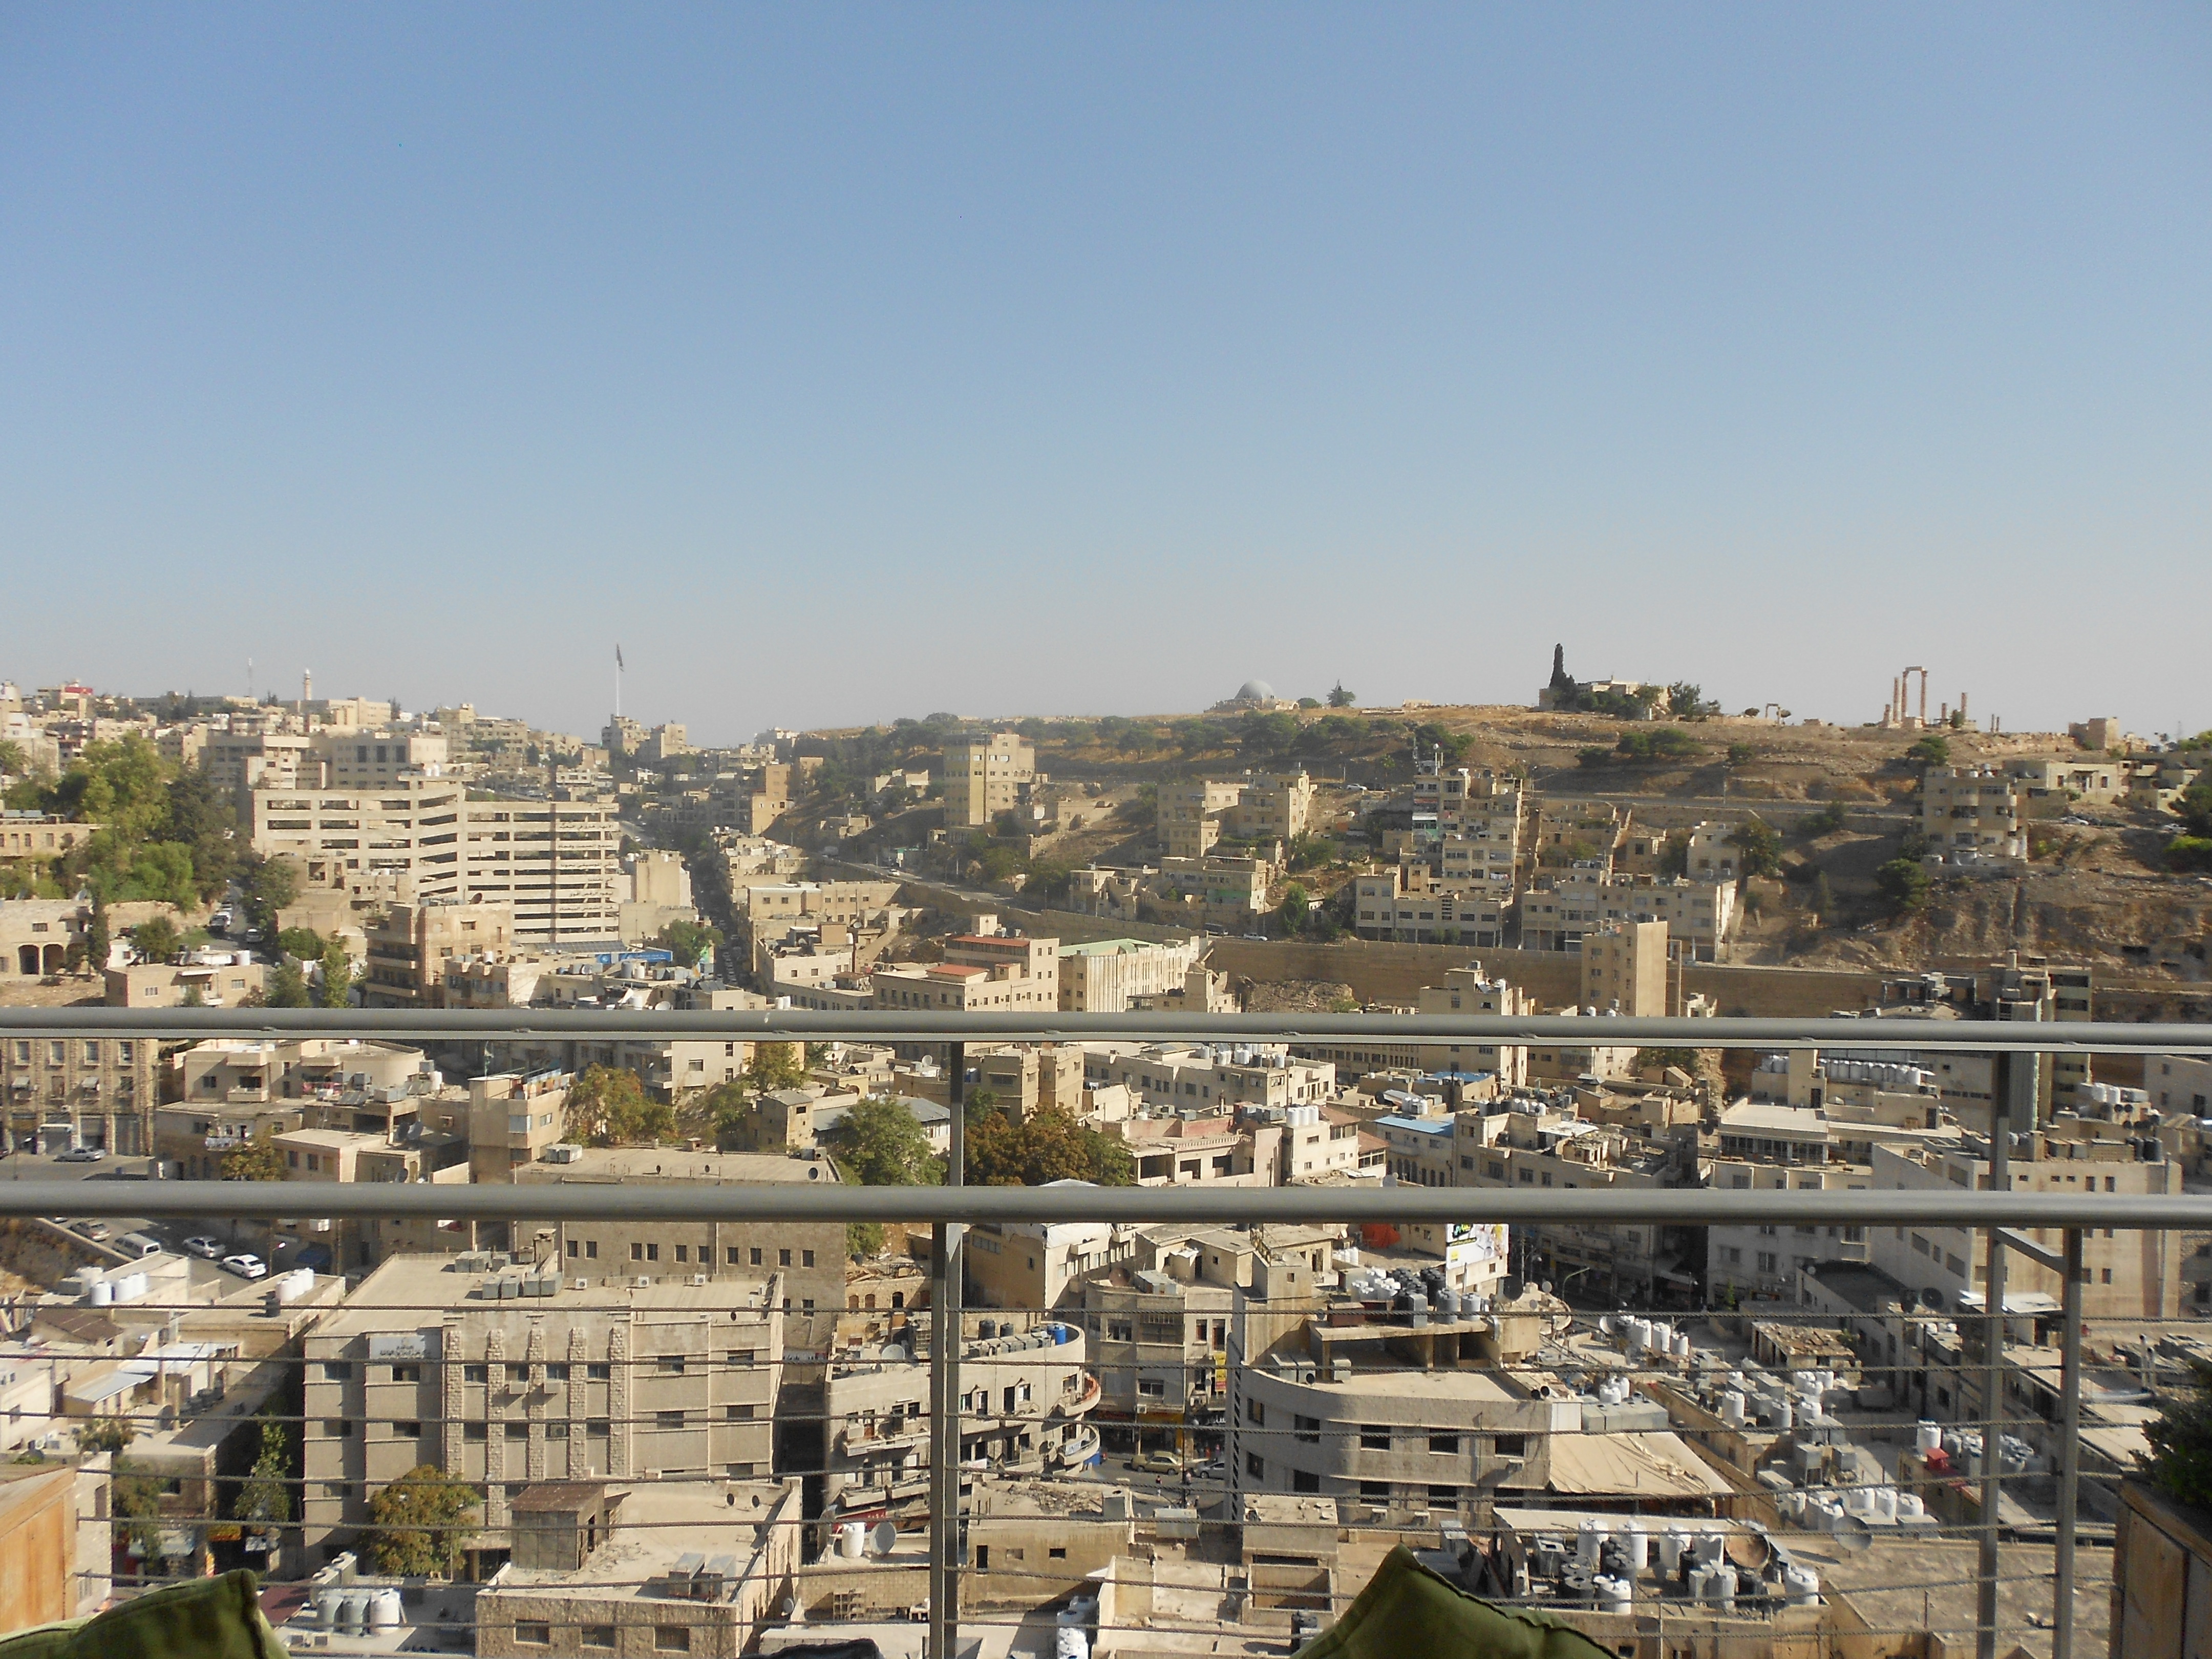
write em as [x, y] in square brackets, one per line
[1909, 1506]
[1070, 1641]
[1613, 1595]
[328, 1599]
[291, 1286]
[852, 1537]
[384, 1609]
[1589, 1534]
[1732, 1409]
[1784, 1417]
[1711, 1546]
[1701, 1585]
[1927, 1437]
[1801, 1586]
[1672, 1543]
[1639, 1547]
[131, 1287]
[1858, 1501]
[353, 1612]
[103, 1293]
[1682, 1347]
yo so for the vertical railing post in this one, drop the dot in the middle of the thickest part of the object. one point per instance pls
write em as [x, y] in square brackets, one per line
[1993, 1355]
[2069, 1448]
[944, 1291]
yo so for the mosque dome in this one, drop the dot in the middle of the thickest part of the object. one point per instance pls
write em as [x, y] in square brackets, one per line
[1256, 691]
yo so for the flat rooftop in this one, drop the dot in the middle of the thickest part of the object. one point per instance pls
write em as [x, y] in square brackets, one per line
[424, 1287]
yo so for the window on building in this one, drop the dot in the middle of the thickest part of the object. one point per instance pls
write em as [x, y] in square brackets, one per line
[337, 1370]
[668, 1419]
[670, 1364]
[472, 1431]
[1374, 1437]
[1511, 1445]
[597, 1370]
[1304, 1480]
[1255, 1466]
[598, 1638]
[672, 1638]
[1445, 1443]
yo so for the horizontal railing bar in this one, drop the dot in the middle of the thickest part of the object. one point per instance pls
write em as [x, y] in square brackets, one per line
[794, 1202]
[923, 1025]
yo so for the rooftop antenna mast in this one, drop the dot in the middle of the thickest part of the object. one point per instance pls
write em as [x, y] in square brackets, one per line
[249, 679]
[618, 674]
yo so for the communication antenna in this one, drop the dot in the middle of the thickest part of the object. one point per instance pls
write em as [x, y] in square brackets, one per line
[249, 679]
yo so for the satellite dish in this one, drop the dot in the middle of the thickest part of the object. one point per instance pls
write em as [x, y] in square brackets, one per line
[884, 1538]
[1513, 1289]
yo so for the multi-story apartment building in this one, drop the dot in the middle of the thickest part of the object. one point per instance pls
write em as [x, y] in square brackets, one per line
[979, 971]
[80, 1091]
[1201, 1078]
[355, 758]
[1026, 1392]
[984, 779]
[513, 1117]
[1022, 1076]
[1105, 976]
[1701, 915]
[506, 1377]
[1190, 815]
[2129, 1274]
[2180, 1083]
[410, 946]
[1625, 969]
[1406, 903]
[554, 862]
[265, 1070]
[1973, 811]
[202, 979]
[1035, 1265]
[1763, 1261]
[806, 1258]
[1396, 1439]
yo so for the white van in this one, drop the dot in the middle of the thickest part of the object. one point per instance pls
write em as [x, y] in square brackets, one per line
[140, 1245]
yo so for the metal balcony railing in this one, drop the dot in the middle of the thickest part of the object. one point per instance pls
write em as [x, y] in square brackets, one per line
[1255, 1597]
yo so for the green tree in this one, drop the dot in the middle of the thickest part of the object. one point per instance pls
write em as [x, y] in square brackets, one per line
[1295, 908]
[203, 820]
[98, 943]
[1823, 897]
[689, 942]
[338, 975]
[1904, 882]
[257, 1160]
[269, 885]
[1593, 757]
[157, 939]
[135, 1497]
[2194, 806]
[2187, 854]
[1675, 855]
[608, 1106]
[1686, 701]
[108, 1434]
[418, 1523]
[1826, 821]
[1046, 1144]
[1934, 750]
[14, 763]
[266, 1498]
[775, 1065]
[1741, 754]
[1340, 698]
[1759, 847]
[286, 987]
[863, 1239]
[881, 1145]
[304, 943]
[2180, 1460]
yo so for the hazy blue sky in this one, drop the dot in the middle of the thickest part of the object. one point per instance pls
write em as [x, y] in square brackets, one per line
[849, 363]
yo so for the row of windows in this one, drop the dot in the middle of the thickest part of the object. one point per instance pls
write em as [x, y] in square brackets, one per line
[88, 1052]
[589, 1251]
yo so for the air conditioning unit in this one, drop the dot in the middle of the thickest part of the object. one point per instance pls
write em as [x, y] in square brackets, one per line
[643, 1282]
[580, 1284]
[698, 1280]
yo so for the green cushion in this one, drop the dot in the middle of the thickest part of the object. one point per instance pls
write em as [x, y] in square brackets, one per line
[205, 1618]
[1406, 1609]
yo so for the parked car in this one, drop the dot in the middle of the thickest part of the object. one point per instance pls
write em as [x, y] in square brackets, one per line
[98, 1231]
[1156, 1462]
[82, 1155]
[207, 1249]
[140, 1245]
[220, 922]
[246, 1266]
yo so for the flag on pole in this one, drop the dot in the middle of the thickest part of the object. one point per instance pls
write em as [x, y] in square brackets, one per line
[618, 661]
